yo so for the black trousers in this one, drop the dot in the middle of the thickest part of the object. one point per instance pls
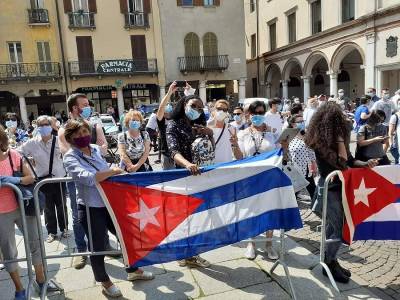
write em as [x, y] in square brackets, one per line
[311, 187]
[101, 222]
[153, 137]
[55, 210]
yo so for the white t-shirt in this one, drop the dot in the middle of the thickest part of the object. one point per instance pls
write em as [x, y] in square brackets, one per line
[252, 142]
[393, 122]
[308, 113]
[236, 125]
[223, 150]
[152, 123]
[274, 121]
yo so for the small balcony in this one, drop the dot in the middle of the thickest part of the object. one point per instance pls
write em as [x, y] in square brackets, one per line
[38, 16]
[136, 20]
[127, 67]
[203, 63]
[25, 71]
[81, 20]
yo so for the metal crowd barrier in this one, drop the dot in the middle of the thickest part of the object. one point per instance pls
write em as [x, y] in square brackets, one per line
[46, 257]
[28, 258]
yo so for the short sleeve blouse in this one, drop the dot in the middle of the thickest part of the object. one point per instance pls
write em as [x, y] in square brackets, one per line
[8, 201]
[134, 145]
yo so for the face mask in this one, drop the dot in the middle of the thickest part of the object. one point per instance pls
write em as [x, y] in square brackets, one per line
[169, 109]
[45, 130]
[11, 124]
[386, 96]
[257, 120]
[371, 94]
[135, 125]
[191, 113]
[279, 107]
[86, 112]
[237, 118]
[83, 141]
[301, 126]
[220, 115]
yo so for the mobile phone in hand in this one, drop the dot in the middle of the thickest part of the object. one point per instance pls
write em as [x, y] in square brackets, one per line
[180, 84]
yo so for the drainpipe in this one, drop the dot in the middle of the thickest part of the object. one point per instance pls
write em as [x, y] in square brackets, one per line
[258, 48]
[375, 10]
[64, 64]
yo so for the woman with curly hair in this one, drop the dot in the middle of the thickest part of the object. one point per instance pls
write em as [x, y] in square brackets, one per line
[329, 136]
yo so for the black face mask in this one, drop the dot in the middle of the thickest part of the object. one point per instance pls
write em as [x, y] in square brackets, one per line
[302, 132]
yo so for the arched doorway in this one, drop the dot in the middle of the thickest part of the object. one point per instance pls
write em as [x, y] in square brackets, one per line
[272, 81]
[292, 73]
[316, 68]
[9, 102]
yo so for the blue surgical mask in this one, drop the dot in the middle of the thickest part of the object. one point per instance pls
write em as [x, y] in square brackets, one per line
[280, 107]
[45, 130]
[134, 125]
[169, 109]
[86, 112]
[11, 124]
[301, 126]
[191, 113]
[237, 118]
[257, 120]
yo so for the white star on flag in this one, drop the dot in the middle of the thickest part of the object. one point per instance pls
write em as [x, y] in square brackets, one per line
[145, 215]
[361, 194]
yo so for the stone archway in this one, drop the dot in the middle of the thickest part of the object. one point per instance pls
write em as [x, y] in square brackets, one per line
[272, 81]
[291, 77]
[316, 68]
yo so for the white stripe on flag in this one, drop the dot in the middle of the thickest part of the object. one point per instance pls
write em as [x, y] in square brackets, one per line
[390, 173]
[220, 176]
[279, 198]
[388, 213]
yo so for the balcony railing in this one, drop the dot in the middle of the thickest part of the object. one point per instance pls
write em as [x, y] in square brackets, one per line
[203, 63]
[81, 19]
[136, 19]
[23, 71]
[38, 16]
[113, 67]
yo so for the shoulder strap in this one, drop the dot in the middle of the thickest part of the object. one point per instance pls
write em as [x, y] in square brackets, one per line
[90, 163]
[53, 145]
[30, 166]
[222, 132]
[125, 137]
[9, 158]
[397, 121]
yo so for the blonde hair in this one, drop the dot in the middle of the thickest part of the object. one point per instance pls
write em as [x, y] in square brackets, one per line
[223, 101]
[131, 115]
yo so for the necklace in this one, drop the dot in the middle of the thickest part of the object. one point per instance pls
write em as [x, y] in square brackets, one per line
[257, 141]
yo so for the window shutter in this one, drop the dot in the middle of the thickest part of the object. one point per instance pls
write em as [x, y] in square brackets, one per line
[67, 6]
[217, 2]
[179, 2]
[123, 5]
[146, 6]
[198, 2]
[92, 6]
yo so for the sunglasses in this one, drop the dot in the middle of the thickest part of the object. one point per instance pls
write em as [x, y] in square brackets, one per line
[221, 109]
[11, 119]
[259, 113]
[237, 114]
[194, 106]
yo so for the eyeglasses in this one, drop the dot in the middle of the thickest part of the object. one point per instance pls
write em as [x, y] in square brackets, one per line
[11, 119]
[194, 106]
[42, 125]
[223, 109]
[260, 113]
[237, 114]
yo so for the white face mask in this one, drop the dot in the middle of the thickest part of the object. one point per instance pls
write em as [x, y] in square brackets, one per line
[341, 94]
[386, 96]
[220, 115]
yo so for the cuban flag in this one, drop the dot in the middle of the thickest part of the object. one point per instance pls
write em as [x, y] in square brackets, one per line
[371, 203]
[171, 215]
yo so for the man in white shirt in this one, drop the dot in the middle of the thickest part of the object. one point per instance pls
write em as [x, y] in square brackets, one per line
[311, 108]
[39, 149]
[152, 128]
[238, 118]
[273, 117]
[385, 105]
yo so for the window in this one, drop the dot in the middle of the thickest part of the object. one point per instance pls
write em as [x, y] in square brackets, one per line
[192, 45]
[347, 10]
[43, 49]
[37, 4]
[209, 3]
[135, 6]
[15, 52]
[210, 44]
[252, 5]
[80, 5]
[253, 45]
[316, 17]
[292, 27]
[187, 2]
[272, 36]
[254, 86]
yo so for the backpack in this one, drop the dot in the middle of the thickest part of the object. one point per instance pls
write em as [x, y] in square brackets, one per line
[203, 151]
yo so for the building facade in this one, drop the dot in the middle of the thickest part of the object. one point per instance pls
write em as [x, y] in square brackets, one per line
[309, 47]
[204, 44]
[30, 69]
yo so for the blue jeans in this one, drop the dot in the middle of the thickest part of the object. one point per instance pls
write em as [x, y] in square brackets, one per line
[395, 154]
[79, 232]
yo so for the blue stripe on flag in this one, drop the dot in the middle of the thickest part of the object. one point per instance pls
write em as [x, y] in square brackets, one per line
[277, 219]
[150, 178]
[385, 230]
[242, 189]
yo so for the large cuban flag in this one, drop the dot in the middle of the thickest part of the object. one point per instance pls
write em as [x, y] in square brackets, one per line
[171, 215]
[371, 203]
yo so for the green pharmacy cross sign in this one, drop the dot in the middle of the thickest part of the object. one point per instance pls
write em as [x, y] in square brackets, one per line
[116, 66]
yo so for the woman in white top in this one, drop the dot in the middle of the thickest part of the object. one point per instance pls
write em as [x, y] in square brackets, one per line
[252, 141]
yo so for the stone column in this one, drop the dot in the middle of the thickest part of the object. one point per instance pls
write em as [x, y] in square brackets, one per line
[120, 100]
[333, 83]
[242, 88]
[306, 85]
[369, 67]
[22, 109]
[285, 89]
[268, 91]
[203, 91]
[162, 92]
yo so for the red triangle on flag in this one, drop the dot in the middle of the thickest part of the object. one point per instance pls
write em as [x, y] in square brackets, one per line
[146, 216]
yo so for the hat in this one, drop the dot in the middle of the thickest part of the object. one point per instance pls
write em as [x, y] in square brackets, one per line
[341, 91]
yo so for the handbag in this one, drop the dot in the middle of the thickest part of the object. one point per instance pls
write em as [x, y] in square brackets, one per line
[298, 180]
[27, 190]
[145, 167]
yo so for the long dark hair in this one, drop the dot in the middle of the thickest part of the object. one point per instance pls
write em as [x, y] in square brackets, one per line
[327, 126]
[179, 111]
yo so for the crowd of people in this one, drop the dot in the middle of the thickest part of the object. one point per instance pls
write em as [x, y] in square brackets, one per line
[188, 134]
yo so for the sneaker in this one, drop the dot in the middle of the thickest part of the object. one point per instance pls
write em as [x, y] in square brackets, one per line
[195, 261]
[65, 234]
[271, 253]
[140, 276]
[79, 262]
[51, 238]
[20, 295]
[337, 273]
[250, 251]
[113, 291]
